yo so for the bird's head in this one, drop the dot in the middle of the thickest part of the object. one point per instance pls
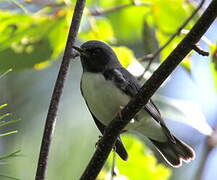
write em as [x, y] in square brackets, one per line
[97, 56]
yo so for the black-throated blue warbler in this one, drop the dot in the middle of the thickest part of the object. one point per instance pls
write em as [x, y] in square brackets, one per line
[106, 87]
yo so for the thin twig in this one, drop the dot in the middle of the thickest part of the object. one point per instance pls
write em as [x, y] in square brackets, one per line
[148, 89]
[154, 55]
[100, 12]
[200, 51]
[21, 6]
[57, 92]
[46, 3]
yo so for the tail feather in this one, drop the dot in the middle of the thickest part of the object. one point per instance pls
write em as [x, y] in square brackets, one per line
[120, 149]
[175, 152]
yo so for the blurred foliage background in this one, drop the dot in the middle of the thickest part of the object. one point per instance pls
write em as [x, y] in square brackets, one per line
[32, 39]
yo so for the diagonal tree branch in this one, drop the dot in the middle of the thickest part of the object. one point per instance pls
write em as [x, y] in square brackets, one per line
[57, 92]
[148, 89]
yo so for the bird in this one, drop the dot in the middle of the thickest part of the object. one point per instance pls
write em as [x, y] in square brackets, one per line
[107, 87]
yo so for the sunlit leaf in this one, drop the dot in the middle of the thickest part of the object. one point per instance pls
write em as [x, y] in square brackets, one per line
[2, 75]
[213, 65]
[8, 177]
[29, 40]
[125, 55]
[8, 122]
[168, 16]
[13, 154]
[99, 29]
[126, 26]
[8, 133]
[186, 62]
[40, 51]
[3, 105]
[57, 36]
[214, 74]
[4, 115]
[141, 164]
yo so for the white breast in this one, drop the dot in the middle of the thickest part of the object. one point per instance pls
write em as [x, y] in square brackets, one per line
[103, 98]
[105, 101]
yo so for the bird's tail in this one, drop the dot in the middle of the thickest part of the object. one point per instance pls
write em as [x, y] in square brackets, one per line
[174, 152]
[120, 149]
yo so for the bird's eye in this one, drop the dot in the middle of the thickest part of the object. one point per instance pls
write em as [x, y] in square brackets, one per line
[96, 51]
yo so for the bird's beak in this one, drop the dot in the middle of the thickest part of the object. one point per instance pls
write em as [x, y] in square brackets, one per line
[80, 50]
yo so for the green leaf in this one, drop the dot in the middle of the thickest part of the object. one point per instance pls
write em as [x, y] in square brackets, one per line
[13, 154]
[8, 133]
[8, 177]
[126, 26]
[8, 122]
[141, 164]
[186, 62]
[31, 41]
[4, 116]
[213, 64]
[99, 29]
[168, 15]
[3, 105]
[2, 75]
[214, 74]
[26, 56]
[57, 36]
[124, 54]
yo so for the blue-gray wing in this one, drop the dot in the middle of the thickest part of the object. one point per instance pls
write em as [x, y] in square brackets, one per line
[130, 86]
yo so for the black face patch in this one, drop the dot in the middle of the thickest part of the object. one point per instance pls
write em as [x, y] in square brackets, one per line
[98, 57]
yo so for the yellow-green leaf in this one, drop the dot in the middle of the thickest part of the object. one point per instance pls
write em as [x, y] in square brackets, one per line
[99, 29]
[125, 55]
[141, 163]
